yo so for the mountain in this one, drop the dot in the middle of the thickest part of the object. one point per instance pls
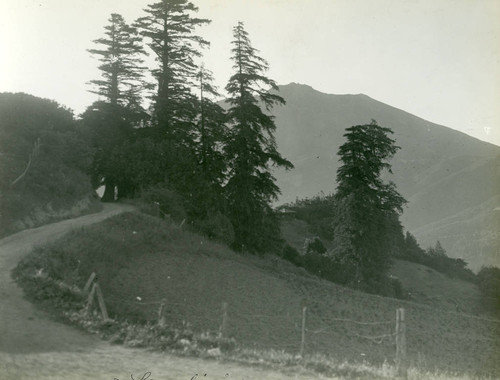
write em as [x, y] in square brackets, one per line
[451, 180]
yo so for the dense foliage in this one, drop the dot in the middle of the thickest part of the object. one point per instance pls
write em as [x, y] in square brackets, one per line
[44, 159]
[366, 209]
[434, 257]
[489, 283]
[218, 161]
[251, 147]
[170, 30]
[318, 213]
[121, 67]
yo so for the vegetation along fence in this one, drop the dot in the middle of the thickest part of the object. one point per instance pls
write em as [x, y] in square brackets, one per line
[300, 335]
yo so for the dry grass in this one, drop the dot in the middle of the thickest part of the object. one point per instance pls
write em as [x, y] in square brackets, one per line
[141, 260]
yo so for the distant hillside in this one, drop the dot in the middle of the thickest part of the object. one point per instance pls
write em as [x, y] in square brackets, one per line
[43, 163]
[450, 179]
[421, 284]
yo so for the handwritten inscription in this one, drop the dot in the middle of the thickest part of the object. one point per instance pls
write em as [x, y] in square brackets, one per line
[147, 376]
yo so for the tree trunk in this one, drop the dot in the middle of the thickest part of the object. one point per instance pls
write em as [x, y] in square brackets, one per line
[109, 192]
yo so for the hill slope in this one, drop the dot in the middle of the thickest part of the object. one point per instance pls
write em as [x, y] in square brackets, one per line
[141, 260]
[441, 172]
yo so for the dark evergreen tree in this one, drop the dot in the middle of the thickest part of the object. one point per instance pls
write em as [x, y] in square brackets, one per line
[251, 147]
[412, 250]
[112, 119]
[211, 133]
[367, 209]
[120, 54]
[170, 28]
[437, 250]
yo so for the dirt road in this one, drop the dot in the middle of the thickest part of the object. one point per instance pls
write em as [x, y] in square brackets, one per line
[33, 346]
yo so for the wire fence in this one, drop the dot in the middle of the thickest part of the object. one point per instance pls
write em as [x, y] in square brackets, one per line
[301, 333]
[310, 329]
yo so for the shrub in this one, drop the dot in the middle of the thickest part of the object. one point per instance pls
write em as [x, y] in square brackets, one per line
[291, 254]
[314, 245]
[216, 227]
[317, 212]
[489, 284]
[170, 202]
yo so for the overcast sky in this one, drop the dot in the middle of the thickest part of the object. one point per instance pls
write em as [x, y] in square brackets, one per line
[437, 59]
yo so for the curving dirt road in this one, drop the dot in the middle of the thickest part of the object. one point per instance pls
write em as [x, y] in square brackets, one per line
[33, 346]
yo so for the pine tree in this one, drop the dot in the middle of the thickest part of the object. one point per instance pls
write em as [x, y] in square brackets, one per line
[121, 64]
[211, 131]
[111, 120]
[251, 148]
[437, 250]
[170, 28]
[366, 223]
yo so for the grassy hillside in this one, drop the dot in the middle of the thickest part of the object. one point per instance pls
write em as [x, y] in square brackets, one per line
[441, 172]
[427, 286]
[464, 232]
[421, 284]
[141, 260]
[43, 163]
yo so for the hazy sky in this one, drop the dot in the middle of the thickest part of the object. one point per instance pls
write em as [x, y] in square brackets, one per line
[437, 59]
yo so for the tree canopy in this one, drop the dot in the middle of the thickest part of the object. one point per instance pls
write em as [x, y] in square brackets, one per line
[122, 69]
[366, 208]
[251, 147]
[170, 29]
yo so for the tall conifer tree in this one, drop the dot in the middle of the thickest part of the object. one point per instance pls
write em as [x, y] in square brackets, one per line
[112, 119]
[251, 147]
[211, 134]
[367, 209]
[120, 54]
[170, 28]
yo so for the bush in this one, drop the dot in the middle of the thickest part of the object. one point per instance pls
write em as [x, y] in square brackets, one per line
[169, 201]
[397, 288]
[216, 227]
[314, 245]
[489, 283]
[291, 254]
[326, 267]
[317, 212]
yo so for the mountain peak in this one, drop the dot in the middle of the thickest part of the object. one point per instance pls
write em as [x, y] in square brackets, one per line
[440, 171]
[305, 89]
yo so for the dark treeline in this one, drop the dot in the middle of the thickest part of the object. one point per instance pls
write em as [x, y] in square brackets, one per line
[195, 158]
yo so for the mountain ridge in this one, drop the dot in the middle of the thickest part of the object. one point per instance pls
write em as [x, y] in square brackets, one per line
[439, 170]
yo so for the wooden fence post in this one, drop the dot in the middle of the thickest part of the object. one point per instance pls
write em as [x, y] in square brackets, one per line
[89, 282]
[90, 299]
[401, 367]
[100, 298]
[303, 335]
[223, 327]
[161, 312]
